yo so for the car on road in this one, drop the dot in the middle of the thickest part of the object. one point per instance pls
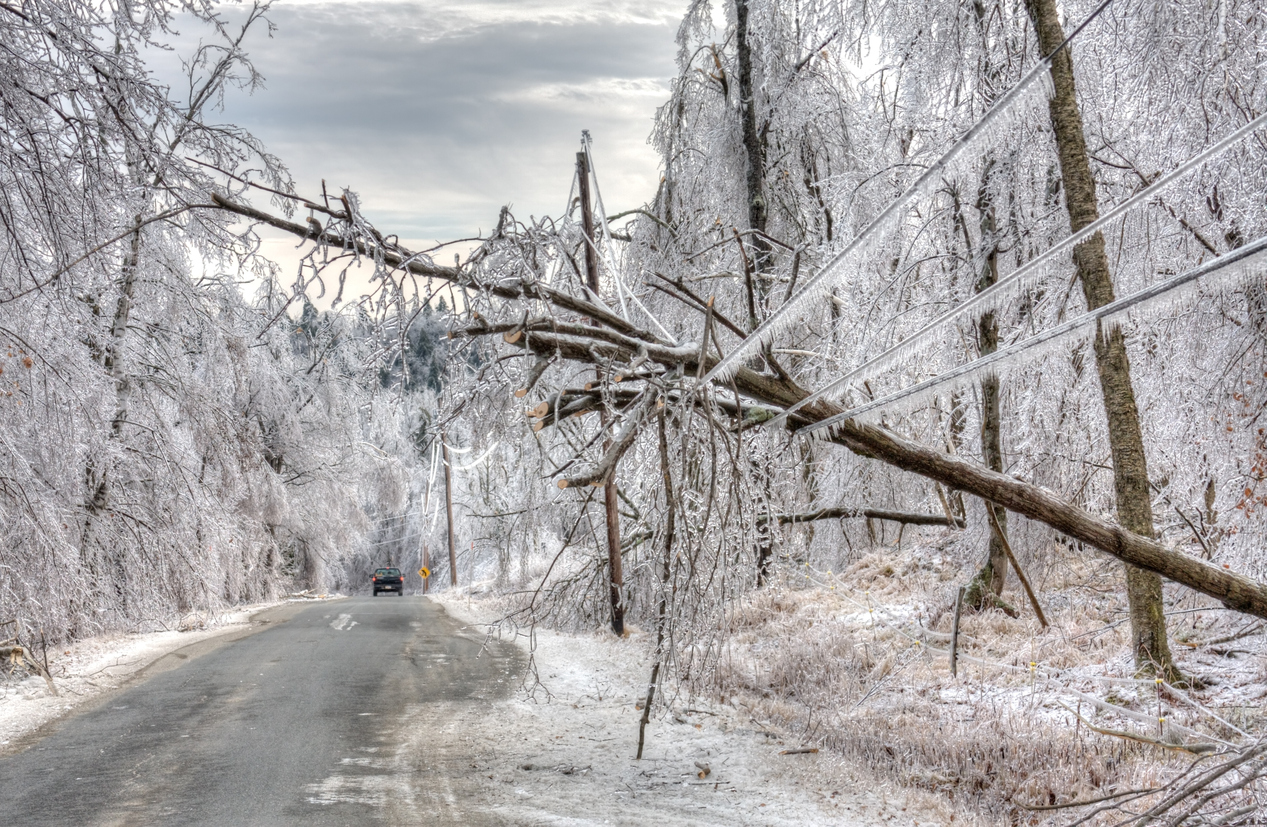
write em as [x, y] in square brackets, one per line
[389, 580]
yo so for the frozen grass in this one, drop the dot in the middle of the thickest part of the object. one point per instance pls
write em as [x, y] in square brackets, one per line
[856, 662]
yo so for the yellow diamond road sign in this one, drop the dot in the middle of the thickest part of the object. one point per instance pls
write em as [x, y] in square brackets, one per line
[425, 572]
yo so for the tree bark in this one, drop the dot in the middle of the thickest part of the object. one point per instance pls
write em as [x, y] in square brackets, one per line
[753, 140]
[754, 143]
[621, 340]
[988, 584]
[992, 577]
[869, 513]
[611, 503]
[100, 477]
[448, 509]
[1126, 441]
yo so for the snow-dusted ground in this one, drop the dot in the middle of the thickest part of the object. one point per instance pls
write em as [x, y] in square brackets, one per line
[86, 669]
[563, 753]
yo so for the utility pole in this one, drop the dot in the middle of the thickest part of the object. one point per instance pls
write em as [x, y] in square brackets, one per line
[617, 579]
[426, 564]
[426, 509]
[448, 508]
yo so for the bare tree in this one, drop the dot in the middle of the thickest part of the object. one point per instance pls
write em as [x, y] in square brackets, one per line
[671, 368]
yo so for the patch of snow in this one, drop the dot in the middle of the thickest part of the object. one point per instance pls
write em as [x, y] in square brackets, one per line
[562, 751]
[343, 623]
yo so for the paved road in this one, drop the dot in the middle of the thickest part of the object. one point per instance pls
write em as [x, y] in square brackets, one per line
[321, 718]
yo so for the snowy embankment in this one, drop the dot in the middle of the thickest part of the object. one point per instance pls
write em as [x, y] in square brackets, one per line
[88, 668]
[561, 751]
[858, 661]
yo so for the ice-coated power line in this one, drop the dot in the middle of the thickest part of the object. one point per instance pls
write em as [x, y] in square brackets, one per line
[431, 478]
[994, 290]
[823, 278]
[478, 460]
[1241, 258]
[611, 261]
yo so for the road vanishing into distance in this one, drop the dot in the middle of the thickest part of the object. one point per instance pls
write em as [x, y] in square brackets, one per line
[321, 714]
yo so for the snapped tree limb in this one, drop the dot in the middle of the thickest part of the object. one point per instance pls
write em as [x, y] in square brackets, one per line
[614, 340]
[869, 513]
[621, 443]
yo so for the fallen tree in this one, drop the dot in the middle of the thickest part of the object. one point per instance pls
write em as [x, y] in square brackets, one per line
[580, 330]
[904, 517]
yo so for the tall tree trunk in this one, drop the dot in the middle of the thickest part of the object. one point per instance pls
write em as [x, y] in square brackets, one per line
[611, 504]
[990, 581]
[986, 587]
[1126, 441]
[753, 139]
[98, 474]
[754, 143]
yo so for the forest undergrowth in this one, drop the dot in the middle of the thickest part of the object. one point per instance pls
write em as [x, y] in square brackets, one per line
[858, 662]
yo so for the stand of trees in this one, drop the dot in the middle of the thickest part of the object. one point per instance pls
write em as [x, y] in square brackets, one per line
[948, 239]
[810, 221]
[181, 430]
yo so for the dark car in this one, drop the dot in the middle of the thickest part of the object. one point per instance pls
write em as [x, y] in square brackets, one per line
[389, 580]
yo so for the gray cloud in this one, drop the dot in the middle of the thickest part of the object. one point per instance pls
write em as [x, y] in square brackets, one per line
[438, 113]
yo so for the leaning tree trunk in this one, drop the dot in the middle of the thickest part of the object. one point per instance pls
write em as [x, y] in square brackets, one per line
[1126, 441]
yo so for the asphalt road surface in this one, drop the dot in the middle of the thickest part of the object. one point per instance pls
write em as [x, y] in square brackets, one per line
[325, 716]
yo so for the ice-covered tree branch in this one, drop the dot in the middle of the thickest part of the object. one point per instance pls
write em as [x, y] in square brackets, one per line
[615, 341]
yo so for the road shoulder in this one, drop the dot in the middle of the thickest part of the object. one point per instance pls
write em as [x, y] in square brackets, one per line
[561, 750]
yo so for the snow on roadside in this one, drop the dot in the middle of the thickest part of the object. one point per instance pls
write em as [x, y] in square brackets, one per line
[88, 668]
[563, 753]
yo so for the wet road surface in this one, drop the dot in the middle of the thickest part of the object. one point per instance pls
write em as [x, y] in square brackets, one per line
[324, 717]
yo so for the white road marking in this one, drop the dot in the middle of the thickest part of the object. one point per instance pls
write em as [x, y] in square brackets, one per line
[342, 623]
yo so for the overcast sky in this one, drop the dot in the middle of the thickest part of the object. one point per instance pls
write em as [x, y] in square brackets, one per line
[438, 112]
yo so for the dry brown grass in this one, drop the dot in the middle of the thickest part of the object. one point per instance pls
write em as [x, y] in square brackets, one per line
[836, 657]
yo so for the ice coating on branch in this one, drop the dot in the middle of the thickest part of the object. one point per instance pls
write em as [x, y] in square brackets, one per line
[1226, 272]
[1031, 88]
[1028, 276]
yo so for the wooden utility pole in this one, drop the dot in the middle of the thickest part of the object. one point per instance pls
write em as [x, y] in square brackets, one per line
[448, 508]
[426, 507]
[617, 580]
[1235, 591]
